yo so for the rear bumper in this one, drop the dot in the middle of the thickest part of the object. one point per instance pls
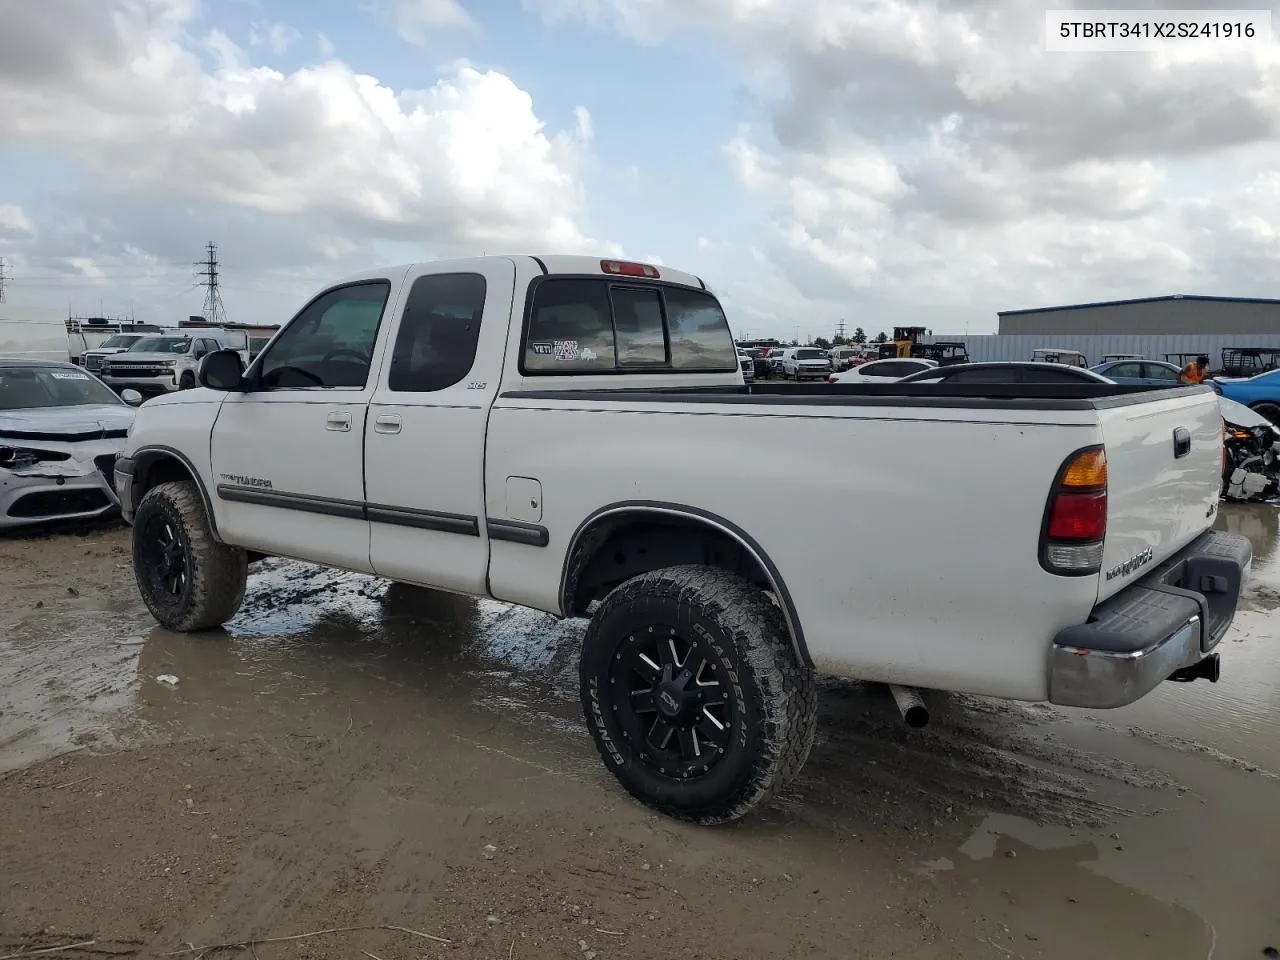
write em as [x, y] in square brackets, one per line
[1170, 619]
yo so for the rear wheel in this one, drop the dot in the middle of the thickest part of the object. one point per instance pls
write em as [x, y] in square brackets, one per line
[187, 579]
[694, 695]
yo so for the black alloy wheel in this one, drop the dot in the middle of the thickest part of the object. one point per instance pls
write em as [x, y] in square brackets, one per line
[671, 702]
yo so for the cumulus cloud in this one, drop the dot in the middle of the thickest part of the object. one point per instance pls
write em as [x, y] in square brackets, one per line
[14, 221]
[935, 160]
[327, 160]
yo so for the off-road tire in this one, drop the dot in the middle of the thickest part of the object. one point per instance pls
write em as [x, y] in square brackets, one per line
[767, 684]
[215, 573]
[187, 381]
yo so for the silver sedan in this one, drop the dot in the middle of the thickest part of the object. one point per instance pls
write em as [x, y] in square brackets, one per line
[60, 431]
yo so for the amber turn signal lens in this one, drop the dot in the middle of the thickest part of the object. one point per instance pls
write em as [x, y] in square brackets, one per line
[1088, 469]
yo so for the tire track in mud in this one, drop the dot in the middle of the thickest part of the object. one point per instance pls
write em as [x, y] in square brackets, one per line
[976, 755]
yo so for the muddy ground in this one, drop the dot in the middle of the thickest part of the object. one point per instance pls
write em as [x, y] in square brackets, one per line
[352, 754]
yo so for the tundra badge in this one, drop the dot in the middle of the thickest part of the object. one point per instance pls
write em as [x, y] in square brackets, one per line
[1130, 565]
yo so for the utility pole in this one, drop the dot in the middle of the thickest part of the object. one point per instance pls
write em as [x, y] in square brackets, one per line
[213, 311]
[3, 277]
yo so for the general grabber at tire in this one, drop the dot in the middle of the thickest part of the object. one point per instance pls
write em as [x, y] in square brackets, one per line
[694, 695]
[187, 579]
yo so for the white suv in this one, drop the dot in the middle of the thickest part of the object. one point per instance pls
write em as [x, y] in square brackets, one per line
[800, 363]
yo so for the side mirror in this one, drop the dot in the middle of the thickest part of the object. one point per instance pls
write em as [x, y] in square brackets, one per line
[132, 397]
[222, 370]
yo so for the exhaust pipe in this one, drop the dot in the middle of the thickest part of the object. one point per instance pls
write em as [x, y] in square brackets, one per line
[914, 712]
[1209, 668]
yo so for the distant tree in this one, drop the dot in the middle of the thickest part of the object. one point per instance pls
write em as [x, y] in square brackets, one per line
[859, 336]
[881, 337]
[822, 343]
[838, 341]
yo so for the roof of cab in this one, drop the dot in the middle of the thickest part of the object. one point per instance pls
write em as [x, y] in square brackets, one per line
[550, 264]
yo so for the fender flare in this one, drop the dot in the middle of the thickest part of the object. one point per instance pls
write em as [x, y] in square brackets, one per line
[662, 508]
[145, 457]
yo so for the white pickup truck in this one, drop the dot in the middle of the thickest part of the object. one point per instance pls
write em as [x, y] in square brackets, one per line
[167, 361]
[565, 433]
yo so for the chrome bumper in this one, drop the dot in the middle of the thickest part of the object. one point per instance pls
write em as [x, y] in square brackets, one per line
[1167, 621]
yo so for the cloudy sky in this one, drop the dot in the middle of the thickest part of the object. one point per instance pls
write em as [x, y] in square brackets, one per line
[877, 161]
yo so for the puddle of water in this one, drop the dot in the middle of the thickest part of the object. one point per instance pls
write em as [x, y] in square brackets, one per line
[62, 677]
[1050, 892]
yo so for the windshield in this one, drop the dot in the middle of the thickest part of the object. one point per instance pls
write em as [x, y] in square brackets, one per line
[809, 355]
[121, 340]
[162, 345]
[26, 388]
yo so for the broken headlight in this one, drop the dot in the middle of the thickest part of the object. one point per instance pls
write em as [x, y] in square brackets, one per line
[15, 458]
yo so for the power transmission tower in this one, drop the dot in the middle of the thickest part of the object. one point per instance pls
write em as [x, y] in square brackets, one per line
[840, 330]
[3, 277]
[213, 311]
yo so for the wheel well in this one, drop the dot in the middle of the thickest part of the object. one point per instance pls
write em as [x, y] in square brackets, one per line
[158, 470]
[615, 549]
[155, 468]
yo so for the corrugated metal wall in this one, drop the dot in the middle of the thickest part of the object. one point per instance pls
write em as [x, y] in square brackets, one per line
[1181, 317]
[1005, 347]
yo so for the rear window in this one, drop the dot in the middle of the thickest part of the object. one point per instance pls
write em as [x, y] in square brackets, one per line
[810, 355]
[601, 326]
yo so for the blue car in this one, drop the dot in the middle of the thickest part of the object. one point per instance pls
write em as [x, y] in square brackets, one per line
[1260, 393]
[1150, 372]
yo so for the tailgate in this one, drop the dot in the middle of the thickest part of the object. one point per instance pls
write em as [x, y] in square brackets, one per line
[1164, 474]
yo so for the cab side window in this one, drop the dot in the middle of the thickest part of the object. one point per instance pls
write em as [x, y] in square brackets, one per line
[330, 343]
[436, 344]
[588, 325]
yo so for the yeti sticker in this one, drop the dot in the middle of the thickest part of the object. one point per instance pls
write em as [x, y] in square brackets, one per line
[542, 348]
[567, 350]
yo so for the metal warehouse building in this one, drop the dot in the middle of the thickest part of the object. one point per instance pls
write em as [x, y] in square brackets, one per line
[1148, 316]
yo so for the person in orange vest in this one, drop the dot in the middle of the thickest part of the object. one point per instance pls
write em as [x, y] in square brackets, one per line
[1195, 372]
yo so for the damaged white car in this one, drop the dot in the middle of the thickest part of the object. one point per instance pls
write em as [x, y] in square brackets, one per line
[60, 431]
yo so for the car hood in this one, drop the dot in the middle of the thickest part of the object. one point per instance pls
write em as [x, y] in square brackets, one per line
[87, 422]
[1241, 415]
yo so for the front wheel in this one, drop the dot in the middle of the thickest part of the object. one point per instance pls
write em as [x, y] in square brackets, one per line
[693, 694]
[187, 579]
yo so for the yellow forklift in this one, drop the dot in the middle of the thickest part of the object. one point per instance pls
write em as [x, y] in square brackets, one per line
[904, 338]
[905, 344]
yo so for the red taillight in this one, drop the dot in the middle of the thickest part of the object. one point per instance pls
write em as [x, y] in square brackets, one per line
[832, 379]
[1078, 516]
[623, 269]
[1075, 522]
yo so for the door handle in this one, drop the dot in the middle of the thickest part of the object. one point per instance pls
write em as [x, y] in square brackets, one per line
[338, 421]
[1181, 442]
[387, 423]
